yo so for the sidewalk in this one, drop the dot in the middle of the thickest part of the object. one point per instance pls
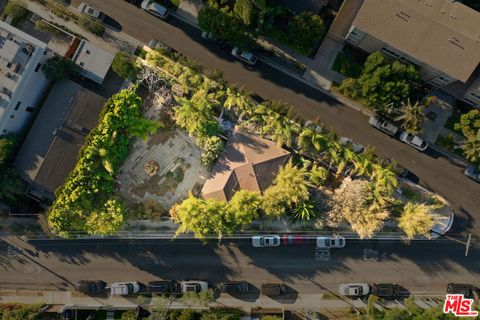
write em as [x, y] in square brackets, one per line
[298, 301]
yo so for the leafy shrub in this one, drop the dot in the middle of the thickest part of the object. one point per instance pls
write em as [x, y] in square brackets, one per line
[91, 25]
[17, 10]
[58, 68]
[212, 148]
[383, 82]
[124, 65]
[41, 25]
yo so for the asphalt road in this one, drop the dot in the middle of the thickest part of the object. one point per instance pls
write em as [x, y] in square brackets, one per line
[422, 267]
[435, 172]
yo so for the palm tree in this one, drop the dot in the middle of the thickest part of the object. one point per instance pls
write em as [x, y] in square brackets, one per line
[304, 211]
[471, 147]
[412, 116]
[384, 180]
[304, 141]
[238, 101]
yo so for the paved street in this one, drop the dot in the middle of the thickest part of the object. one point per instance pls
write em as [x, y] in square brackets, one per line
[434, 171]
[422, 267]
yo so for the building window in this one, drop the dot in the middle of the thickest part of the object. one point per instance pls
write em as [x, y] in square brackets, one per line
[473, 103]
[29, 109]
[38, 67]
[475, 95]
[355, 35]
[390, 53]
[18, 105]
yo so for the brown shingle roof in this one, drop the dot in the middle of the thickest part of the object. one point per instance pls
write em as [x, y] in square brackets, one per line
[442, 33]
[247, 163]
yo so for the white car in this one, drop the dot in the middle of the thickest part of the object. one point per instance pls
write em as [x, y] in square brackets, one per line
[354, 289]
[193, 286]
[349, 143]
[155, 9]
[265, 241]
[414, 141]
[330, 242]
[91, 11]
[124, 288]
[383, 125]
[244, 56]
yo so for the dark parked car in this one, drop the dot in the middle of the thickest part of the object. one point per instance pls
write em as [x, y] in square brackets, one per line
[467, 290]
[386, 290]
[234, 287]
[473, 173]
[90, 287]
[162, 287]
[273, 289]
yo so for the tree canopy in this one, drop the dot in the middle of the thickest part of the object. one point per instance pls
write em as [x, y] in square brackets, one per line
[417, 219]
[58, 68]
[383, 82]
[123, 65]
[355, 202]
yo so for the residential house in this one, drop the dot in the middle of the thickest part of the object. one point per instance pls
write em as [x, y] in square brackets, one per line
[22, 82]
[50, 150]
[441, 37]
[248, 162]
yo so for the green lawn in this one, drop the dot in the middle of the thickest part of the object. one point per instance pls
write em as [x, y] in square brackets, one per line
[170, 4]
[349, 62]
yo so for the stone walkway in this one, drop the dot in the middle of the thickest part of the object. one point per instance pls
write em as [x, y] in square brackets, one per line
[438, 112]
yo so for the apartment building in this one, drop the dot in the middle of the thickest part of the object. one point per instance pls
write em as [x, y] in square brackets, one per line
[441, 37]
[22, 83]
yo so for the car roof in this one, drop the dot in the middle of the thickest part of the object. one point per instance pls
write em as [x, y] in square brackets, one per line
[158, 8]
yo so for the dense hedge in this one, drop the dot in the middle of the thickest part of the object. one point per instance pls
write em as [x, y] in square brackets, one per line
[87, 201]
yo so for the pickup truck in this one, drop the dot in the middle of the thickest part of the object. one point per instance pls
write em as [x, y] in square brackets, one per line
[383, 125]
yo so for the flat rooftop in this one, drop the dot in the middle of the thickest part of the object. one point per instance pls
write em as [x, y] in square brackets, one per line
[18, 52]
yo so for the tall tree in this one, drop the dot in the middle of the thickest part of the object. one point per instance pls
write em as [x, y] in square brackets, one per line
[384, 82]
[203, 217]
[417, 219]
[412, 116]
[290, 187]
[245, 206]
[354, 202]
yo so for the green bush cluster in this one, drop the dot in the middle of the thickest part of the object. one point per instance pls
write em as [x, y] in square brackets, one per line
[41, 25]
[87, 201]
[92, 25]
[211, 314]
[19, 312]
[240, 22]
[10, 184]
[17, 10]
[58, 68]
[124, 65]
[383, 83]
